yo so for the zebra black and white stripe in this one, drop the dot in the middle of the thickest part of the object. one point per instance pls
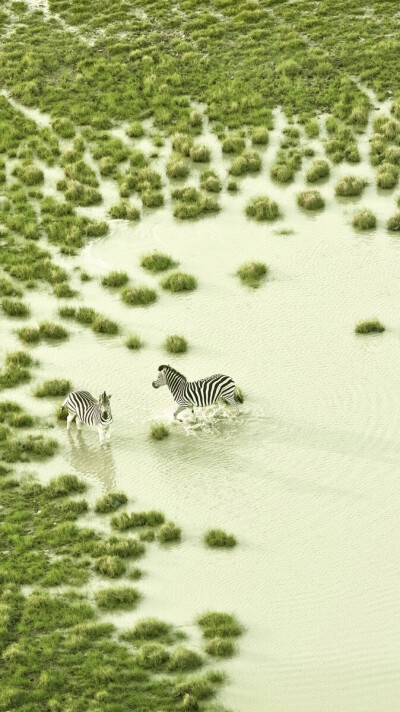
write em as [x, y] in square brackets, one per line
[86, 409]
[188, 394]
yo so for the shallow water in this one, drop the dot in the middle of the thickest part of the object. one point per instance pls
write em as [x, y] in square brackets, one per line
[307, 478]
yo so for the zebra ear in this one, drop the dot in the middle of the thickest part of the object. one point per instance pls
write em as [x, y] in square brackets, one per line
[109, 396]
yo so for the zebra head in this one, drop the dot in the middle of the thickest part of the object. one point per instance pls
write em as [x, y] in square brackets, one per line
[105, 407]
[162, 377]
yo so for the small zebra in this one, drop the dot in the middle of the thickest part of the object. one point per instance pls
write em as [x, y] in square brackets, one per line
[86, 409]
[188, 394]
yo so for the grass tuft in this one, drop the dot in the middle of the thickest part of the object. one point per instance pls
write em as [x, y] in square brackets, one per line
[175, 344]
[310, 199]
[373, 326]
[262, 208]
[112, 599]
[350, 186]
[134, 342]
[393, 223]
[364, 219]
[138, 296]
[169, 532]
[319, 169]
[53, 388]
[157, 262]
[13, 307]
[52, 332]
[223, 625]
[110, 502]
[115, 279]
[252, 273]
[217, 538]
[111, 566]
[220, 647]
[179, 282]
[159, 431]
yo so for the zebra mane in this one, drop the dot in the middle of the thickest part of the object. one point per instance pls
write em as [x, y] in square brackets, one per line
[160, 368]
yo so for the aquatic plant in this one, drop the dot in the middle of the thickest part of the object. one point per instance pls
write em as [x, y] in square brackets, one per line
[111, 566]
[29, 174]
[200, 154]
[182, 659]
[134, 342]
[152, 656]
[387, 176]
[110, 502]
[135, 130]
[112, 599]
[64, 291]
[179, 282]
[177, 168]
[169, 532]
[124, 211]
[259, 136]
[125, 521]
[393, 223]
[64, 485]
[209, 181]
[364, 219]
[175, 344]
[373, 326]
[29, 335]
[220, 647]
[51, 331]
[115, 279]
[157, 262]
[252, 273]
[148, 629]
[310, 199]
[223, 625]
[152, 198]
[232, 186]
[13, 307]
[159, 431]
[233, 144]
[67, 312]
[138, 296]
[311, 128]
[350, 186]
[54, 387]
[217, 538]
[7, 289]
[64, 128]
[246, 162]
[262, 208]
[85, 315]
[103, 325]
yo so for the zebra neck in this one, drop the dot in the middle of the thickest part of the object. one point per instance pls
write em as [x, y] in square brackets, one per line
[176, 383]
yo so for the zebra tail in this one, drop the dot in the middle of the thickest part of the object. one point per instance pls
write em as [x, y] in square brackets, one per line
[238, 395]
[65, 403]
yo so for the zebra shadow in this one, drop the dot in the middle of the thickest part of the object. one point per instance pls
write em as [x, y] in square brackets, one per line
[87, 457]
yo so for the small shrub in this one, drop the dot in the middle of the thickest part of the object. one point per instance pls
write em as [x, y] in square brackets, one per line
[220, 647]
[310, 199]
[111, 599]
[157, 262]
[175, 344]
[251, 273]
[110, 502]
[350, 186]
[52, 332]
[183, 659]
[13, 307]
[159, 431]
[115, 279]
[373, 326]
[169, 532]
[138, 296]
[111, 566]
[29, 335]
[364, 219]
[223, 625]
[179, 282]
[393, 223]
[53, 388]
[259, 136]
[134, 342]
[262, 208]
[102, 325]
[319, 169]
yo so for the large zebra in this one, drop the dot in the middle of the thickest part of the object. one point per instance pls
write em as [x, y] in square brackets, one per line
[89, 411]
[188, 394]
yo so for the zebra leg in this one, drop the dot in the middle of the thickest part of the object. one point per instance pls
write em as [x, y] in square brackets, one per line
[78, 423]
[108, 433]
[231, 401]
[179, 409]
[70, 418]
[100, 431]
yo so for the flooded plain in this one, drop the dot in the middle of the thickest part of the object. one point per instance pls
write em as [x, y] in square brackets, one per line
[307, 477]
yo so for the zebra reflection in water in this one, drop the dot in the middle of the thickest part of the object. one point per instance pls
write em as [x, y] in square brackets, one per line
[188, 394]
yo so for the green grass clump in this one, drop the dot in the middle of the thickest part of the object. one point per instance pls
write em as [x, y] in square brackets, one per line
[388, 176]
[64, 485]
[182, 143]
[223, 625]
[64, 291]
[67, 312]
[183, 659]
[247, 162]
[29, 174]
[373, 326]
[152, 656]
[134, 342]
[159, 431]
[259, 136]
[175, 344]
[19, 358]
[209, 181]
[112, 599]
[232, 186]
[282, 172]
[262, 208]
[312, 128]
[7, 288]
[220, 647]
[233, 144]
[350, 186]
[124, 211]
[115, 279]
[53, 388]
[110, 502]
[152, 198]
[29, 335]
[179, 282]
[364, 219]
[252, 273]
[319, 169]
[85, 315]
[52, 332]
[169, 532]
[310, 199]
[138, 296]
[393, 223]
[217, 538]
[16, 369]
[111, 566]
[21, 420]
[80, 194]
[64, 128]
[135, 130]
[148, 629]
[103, 325]
[200, 154]
[177, 168]
[134, 520]
[13, 307]
[157, 262]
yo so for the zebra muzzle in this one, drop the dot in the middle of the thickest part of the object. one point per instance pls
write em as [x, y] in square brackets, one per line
[154, 384]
